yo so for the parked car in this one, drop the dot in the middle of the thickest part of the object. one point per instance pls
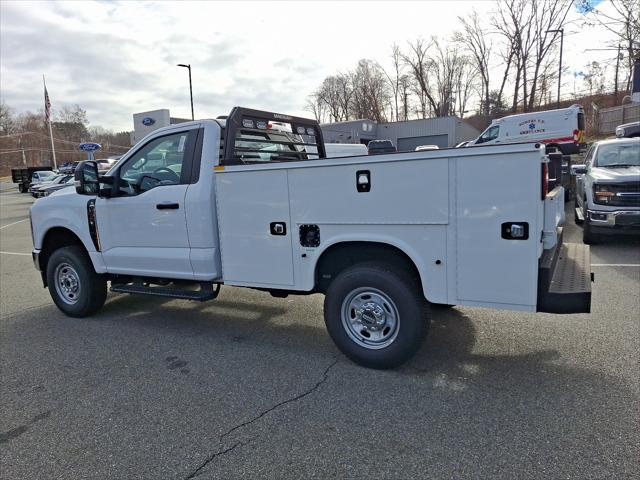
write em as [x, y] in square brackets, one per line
[68, 168]
[561, 129]
[608, 189]
[462, 144]
[60, 182]
[104, 164]
[377, 147]
[374, 236]
[628, 130]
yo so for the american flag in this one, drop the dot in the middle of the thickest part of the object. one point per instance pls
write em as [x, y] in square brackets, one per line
[47, 106]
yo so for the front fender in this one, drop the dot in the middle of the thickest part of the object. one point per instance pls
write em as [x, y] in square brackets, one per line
[68, 212]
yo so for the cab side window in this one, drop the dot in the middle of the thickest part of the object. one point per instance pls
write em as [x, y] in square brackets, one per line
[163, 161]
[489, 134]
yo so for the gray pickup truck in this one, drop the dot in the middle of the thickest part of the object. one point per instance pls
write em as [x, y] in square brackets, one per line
[608, 189]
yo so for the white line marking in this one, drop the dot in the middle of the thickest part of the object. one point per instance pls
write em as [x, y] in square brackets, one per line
[16, 253]
[615, 264]
[14, 223]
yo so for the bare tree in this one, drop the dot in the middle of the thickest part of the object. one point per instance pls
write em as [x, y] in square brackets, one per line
[419, 63]
[624, 23]
[513, 21]
[395, 78]
[475, 40]
[7, 120]
[546, 15]
[370, 91]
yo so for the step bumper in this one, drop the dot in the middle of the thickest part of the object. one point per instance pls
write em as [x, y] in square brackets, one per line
[564, 279]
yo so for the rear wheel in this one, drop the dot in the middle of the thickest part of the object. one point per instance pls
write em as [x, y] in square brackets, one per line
[376, 314]
[74, 285]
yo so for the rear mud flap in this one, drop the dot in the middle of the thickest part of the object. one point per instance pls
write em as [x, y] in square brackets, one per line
[564, 279]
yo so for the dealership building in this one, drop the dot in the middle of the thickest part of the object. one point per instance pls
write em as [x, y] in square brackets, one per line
[444, 132]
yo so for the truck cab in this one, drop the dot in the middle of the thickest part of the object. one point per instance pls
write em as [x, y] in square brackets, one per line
[234, 202]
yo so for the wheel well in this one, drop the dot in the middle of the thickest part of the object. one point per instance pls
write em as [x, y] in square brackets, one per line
[338, 257]
[54, 239]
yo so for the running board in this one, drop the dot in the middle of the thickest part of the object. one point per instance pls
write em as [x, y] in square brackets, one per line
[579, 215]
[206, 291]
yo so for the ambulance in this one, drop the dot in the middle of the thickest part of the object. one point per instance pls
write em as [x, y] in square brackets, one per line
[561, 129]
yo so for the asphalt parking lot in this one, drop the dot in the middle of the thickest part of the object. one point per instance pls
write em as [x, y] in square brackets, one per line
[250, 386]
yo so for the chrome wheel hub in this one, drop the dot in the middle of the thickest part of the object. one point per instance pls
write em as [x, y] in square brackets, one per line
[67, 283]
[370, 318]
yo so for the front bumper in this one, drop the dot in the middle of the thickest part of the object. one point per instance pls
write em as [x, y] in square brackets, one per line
[612, 219]
[35, 255]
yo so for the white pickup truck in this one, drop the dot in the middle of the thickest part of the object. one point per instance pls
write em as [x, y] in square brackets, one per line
[237, 202]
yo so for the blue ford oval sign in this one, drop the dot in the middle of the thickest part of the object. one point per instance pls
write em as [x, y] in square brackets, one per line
[147, 121]
[90, 147]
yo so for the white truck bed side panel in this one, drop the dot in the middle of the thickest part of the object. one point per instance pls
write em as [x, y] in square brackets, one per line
[489, 192]
[402, 192]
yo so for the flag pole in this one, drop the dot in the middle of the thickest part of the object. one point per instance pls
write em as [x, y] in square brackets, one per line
[47, 107]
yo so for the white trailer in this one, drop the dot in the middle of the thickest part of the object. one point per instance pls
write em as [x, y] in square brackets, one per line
[384, 237]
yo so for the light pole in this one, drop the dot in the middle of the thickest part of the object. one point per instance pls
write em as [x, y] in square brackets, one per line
[561, 31]
[190, 87]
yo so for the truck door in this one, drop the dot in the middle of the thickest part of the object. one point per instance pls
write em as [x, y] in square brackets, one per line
[143, 229]
[254, 223]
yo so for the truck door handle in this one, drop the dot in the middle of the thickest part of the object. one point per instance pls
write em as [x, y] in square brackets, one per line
[167, 206]
[278, 228]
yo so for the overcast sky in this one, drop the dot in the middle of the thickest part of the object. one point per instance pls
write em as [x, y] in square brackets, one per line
[117, 58]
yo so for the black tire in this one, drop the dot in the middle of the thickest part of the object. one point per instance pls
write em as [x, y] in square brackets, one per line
[441, 306]
[588, 237]
[92, 291]
[21, 188]
[405, 298]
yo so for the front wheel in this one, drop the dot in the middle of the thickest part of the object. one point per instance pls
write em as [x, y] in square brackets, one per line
[588, 237]
[376, 314]
[74, 285]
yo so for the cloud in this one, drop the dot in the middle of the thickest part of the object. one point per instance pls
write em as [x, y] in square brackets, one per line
[117, 58]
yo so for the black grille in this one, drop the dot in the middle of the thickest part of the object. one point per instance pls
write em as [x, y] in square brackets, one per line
[626, 194]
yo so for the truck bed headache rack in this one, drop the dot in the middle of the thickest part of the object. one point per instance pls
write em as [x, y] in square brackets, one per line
[255, 136]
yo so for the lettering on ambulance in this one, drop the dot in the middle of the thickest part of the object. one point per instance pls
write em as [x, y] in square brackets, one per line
[532, 126]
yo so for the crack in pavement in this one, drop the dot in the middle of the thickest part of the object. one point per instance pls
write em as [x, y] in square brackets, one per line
[304, 394]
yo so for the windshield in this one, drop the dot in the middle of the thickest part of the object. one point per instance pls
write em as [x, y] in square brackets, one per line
[622, 154]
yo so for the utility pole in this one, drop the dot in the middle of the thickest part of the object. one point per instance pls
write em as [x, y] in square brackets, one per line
[561, 32]
[615, 88]
[188, 66]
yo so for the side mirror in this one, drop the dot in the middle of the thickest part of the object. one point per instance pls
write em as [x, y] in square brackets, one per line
[578, 169]
[86, 178]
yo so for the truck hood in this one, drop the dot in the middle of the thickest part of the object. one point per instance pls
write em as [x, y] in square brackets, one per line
[615, 175]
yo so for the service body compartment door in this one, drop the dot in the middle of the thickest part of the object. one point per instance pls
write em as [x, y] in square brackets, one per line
[491, 192]
[254, 227]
